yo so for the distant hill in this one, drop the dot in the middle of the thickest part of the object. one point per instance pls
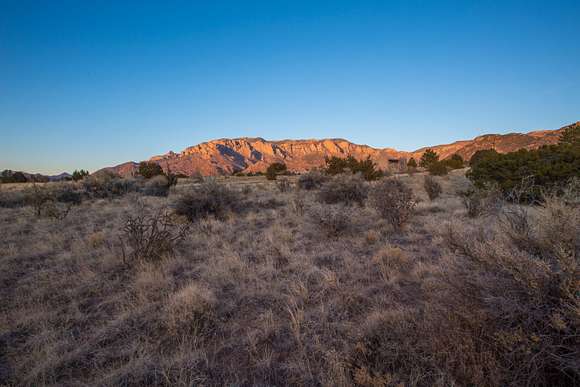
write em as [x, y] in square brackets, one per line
[227, 156]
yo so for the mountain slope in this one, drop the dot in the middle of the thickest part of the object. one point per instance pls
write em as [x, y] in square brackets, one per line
[227, 156]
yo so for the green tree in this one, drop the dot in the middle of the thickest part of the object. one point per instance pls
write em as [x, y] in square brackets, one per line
[454, 162]
[549, 166]
[367, 167]
[149, 169]
[412, 163]
[274, 170]
[79, 174]
[428, 158]
[483, 154]
[437, 168]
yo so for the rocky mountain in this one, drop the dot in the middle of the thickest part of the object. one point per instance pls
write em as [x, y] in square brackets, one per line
[227, 156]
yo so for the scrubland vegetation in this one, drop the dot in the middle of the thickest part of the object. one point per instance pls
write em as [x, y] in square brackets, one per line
[320, 280]
[325, 281]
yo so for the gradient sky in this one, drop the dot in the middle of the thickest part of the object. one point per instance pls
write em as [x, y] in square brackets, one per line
[87, 84]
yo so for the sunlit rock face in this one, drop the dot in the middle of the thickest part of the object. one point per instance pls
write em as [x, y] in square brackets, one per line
[226, 156]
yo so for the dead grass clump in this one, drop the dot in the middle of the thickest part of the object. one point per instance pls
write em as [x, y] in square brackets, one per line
[207, 199]
[348, 189]
[312, 180]
[96, 239]
[394, 201]
[391, 261]
[150, 237]
[190, 311]
[432, 187]
[334, 220]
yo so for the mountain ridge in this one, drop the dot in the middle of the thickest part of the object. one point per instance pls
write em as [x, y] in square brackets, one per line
[253, 154]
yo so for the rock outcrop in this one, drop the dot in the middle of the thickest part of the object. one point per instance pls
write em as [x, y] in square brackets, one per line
[227, 156]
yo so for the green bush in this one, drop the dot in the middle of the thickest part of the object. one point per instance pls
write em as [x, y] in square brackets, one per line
[437, 168]
[454, 162]
[550, 167]
[274, 170]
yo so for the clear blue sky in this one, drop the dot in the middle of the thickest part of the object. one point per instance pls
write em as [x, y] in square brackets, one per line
[86, 84]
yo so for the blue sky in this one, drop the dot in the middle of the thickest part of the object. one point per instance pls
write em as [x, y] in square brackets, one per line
[86, 84]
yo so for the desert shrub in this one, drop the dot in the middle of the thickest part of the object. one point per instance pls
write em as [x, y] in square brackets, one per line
[150, 237]
[247, 189]
[274, 170]
[481, 201]
[334, 220]
[570, 192]
[429, 157]
[44, 202]
[549, 165]
[38, 198]
[394, 201]
[68, 193]
[109, 185]
[56, 210]
[437, 168]
[157, 186]
[283, 185]
[311, 180]
[520, 294]
[149, 169]
[347, 189]
[12, 199]
[432, 187]
[297, 203]
[367, 168]
[207, 199]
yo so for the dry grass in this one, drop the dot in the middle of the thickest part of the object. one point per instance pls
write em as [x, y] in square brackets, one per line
[291, 291]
